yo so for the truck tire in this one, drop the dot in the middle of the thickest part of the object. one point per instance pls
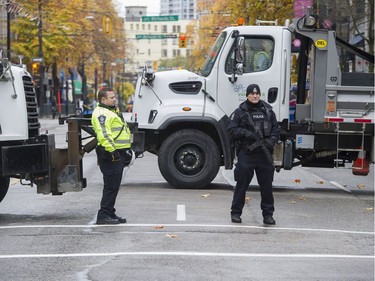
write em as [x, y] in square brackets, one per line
[4, 185]
[189, 159]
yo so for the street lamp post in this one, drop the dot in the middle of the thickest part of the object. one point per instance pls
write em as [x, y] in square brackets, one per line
[41, 55]
[8, 30]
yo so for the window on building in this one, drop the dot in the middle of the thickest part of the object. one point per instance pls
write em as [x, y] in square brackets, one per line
[131, 27]
[143, 27]
[156, 28]
[149, 27]
[178, 29]
[174, 53]
[164, 29]
[178, 52]
[174, 29]
[164, 53]
[137, 26]
[149, 52]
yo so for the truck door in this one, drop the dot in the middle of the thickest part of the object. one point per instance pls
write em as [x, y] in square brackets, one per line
[266, 63]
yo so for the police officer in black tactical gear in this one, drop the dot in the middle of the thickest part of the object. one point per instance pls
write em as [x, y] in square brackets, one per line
[254, 129]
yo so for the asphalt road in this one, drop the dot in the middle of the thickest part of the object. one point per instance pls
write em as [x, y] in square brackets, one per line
[324, 230]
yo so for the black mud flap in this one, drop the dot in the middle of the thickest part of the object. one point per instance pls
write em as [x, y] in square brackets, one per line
[288, 155]
[23, 159]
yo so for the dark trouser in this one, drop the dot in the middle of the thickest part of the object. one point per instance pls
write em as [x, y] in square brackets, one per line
[112, 176]
[243, 174]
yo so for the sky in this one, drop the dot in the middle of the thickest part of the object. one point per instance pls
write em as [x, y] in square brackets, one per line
[153, 6]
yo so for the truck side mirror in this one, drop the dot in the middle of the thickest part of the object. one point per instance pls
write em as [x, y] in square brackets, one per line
[240, 49]
[239, 68]
[239, 54]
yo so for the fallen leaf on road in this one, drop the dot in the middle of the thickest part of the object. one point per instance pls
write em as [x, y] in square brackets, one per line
[172, 236]
[247, 199]
[302, 198]
[361, 186]
[297, 181]
[205, 195]
[320, 182]
[369, 209]
[159, 227]
[293, 202]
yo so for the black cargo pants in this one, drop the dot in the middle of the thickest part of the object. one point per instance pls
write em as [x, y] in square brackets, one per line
[112, 176]
[243, 174]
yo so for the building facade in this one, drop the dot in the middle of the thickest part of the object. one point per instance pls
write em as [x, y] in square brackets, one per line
[185, 9]
[152, 38]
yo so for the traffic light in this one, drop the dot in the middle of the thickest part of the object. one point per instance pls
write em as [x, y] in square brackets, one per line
[35, 68]
[182, 41]
[107, 24]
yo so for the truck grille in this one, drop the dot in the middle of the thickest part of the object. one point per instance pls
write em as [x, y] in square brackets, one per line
[32, 106]
[190, 88]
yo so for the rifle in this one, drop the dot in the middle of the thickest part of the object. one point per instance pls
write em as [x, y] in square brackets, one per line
[259, 142]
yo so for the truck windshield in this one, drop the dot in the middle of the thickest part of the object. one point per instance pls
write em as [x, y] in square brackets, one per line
[210, 61]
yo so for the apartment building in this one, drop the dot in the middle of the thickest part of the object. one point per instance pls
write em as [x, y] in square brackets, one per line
[152, 38]
[185, 9]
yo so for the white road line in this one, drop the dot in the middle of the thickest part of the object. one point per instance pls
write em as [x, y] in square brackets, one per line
[197, 254]
[272, 228]
[181, 214]
[340, 186]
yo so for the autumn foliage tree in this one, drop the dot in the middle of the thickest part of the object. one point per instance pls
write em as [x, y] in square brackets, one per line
[269, 10]
[73, 37]
[214, 16]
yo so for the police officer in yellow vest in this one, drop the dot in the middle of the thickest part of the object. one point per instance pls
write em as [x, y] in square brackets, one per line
[113, 151]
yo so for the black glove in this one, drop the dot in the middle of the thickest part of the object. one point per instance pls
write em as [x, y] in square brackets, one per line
[250, 135]
[269, 144]
[115, 156]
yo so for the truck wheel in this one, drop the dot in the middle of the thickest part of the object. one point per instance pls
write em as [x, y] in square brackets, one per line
[4, 185]
[189, 159]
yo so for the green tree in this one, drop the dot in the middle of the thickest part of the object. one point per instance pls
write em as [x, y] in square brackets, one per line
[177, 62]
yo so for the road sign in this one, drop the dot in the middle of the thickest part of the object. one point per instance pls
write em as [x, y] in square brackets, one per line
[170, 36]
[159, 18]
[155, 36]
[37, 60]
[149, 36]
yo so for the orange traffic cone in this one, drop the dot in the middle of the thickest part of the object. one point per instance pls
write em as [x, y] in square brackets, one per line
[361, 165]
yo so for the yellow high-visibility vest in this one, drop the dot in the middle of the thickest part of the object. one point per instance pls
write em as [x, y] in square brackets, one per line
[111, 130]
